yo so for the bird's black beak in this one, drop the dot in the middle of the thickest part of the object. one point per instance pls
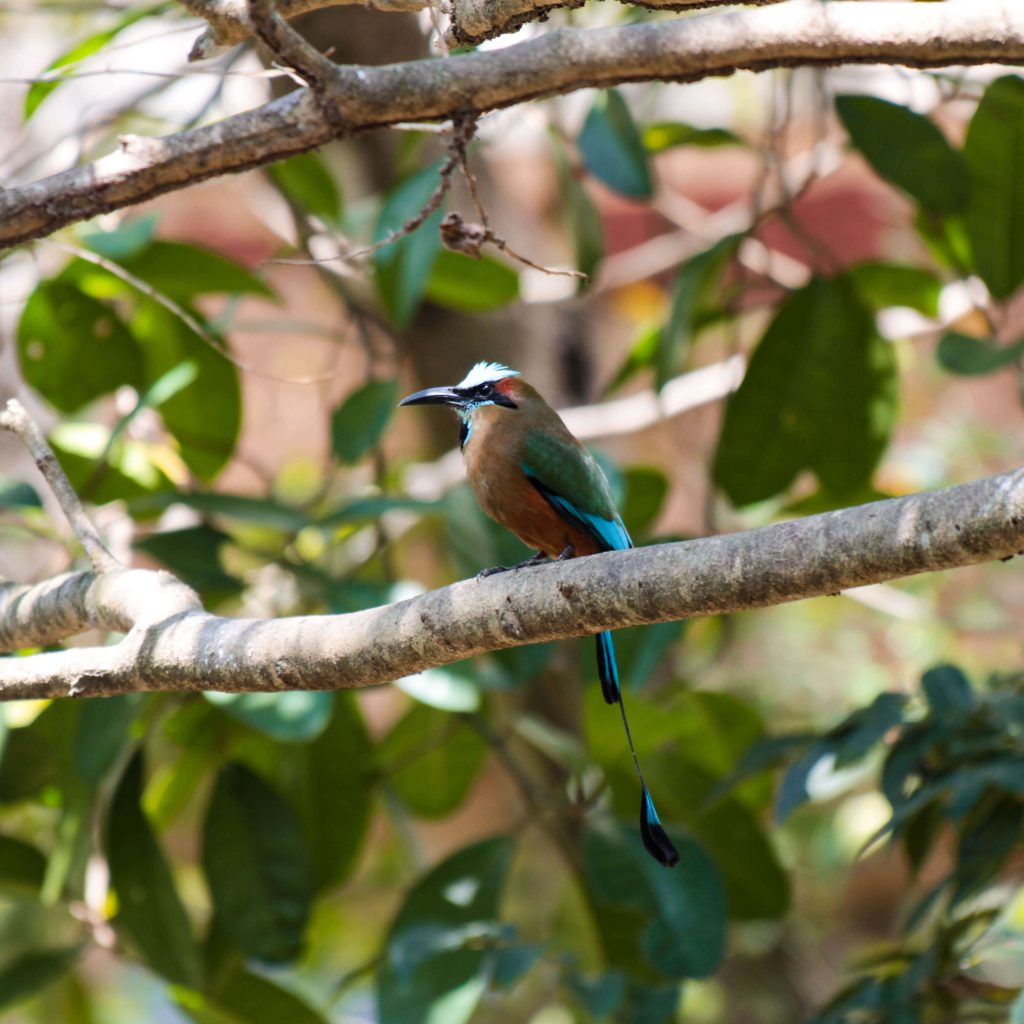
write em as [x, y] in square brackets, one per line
[434, 396]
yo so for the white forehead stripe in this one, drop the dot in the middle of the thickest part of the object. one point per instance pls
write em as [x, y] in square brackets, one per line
[483, 373]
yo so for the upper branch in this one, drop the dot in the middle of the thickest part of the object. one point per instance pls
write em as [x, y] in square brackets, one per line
[796, 32]
[174, 645]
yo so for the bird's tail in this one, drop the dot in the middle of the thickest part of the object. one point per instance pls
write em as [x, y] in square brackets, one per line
[655, 839]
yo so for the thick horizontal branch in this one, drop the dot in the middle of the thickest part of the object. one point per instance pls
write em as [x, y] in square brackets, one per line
[793, 33]
[193, 650]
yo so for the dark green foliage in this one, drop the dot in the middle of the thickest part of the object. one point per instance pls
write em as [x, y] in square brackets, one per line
[357, 424]
[305, 180]
[257, 866]
[819, 394]
[471, 285]
[974, 357]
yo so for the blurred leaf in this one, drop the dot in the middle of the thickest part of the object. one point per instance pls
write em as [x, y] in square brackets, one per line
[793, 789]
[307, 183]
[994, 151]
[193, 555]
[39, 90]
[664, 135]
[16, 494]
[28, 973]
[182, 271]
[820, 393]
[448, 689]
[240, 507]
[696, 277]
[206, 416]
[988, 839]
[684, 907]
[907, 150]
[402, 269]
[646, 490]
[149, 907]
[22, 866]
[581, 218]
[1017, 1012]
[358, 423]
[882, 285]
[649, 1004]
[612, 148]
[330, 782]
[600, 995]
[72, 348]
[251, 997]
[295, 716]
[127, 239]
[471, 285]
[257, 867]
[972, 357]
[948, 691]
[444, 986]
[103, 732]
[374, 507]
[642, 354]
[432, 759]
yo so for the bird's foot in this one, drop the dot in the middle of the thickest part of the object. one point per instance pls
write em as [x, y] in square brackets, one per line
[567, 552]
[494, 570]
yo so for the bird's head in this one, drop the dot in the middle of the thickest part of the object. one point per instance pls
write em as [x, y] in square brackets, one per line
[486, 384]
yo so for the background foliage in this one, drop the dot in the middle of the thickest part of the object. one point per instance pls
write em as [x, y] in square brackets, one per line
[844, 780]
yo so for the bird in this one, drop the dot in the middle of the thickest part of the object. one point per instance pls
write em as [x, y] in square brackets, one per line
[531, 475]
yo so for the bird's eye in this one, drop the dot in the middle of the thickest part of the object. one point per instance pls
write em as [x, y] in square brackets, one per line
[486, 390]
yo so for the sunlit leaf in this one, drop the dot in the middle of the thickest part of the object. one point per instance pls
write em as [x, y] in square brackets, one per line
[881, 285]
[73, 349]
[664, 135]
[295, 716]
[471, 285]
[126, 240]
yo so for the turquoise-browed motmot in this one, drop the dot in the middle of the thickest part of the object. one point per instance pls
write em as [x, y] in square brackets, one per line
[532, 476]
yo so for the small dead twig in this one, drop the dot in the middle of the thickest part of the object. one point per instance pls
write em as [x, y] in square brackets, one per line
[16, 419]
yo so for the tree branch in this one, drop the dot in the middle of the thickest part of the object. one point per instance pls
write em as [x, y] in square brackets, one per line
[173, 645]
[792, 33]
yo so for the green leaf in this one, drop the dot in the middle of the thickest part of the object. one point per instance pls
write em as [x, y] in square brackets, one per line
[882, 285]
[206, 416]
[22, 866]
[696, 276]
[444, 986]
[907, 150]
[306, 182]
[948, 691]
[257, 867]
[239, 507]
[664, 135]
[581, 218]
[72, 348]
[330, 782]
[471, 285]
[994, 151]
[974, 357]
[402, 269]
[17, 494]
[126, 240]
[433, 759]
[646, 490]
[684, 908]
[358, 423]
[104, 727]
[448, 689]
[600, 996]
[193, 555]
[251, 997]
[182, 271]
[39, 90]
[28, 973]
[820, 393]
[295, 716]
[1017, 1011]
[612, 148]
[149, 907]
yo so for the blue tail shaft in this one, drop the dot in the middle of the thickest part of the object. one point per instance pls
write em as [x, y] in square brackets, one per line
[655, 839]
[608, 669]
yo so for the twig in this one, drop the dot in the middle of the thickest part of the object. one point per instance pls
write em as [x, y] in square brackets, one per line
[15, 419]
